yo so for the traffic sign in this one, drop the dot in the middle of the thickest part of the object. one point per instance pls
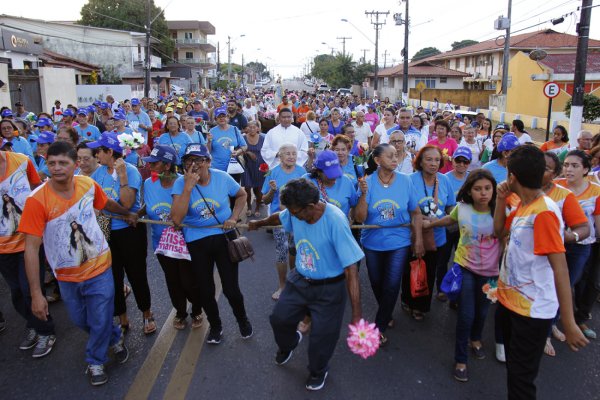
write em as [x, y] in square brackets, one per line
[421, 86]
[551, 90]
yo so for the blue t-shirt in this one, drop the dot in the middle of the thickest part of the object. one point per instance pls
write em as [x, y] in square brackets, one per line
[42, 167]
[324, 249]
[21, 145]
[342, 194]
[455, 183]
[201, 114]
[499, 172]
[424, 195]
[197, 137]
[335, 130]
[136, 119]
[158, 202]
[280, 177]
[31, 138]
[88, 133]
[350, 171]
[178, 142]
[388, 207]
[221, 143]
[132, 158]
[111, 186]
[217, 193]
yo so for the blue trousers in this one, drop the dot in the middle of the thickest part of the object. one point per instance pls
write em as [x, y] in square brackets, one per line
[385, 273]
[90, 305]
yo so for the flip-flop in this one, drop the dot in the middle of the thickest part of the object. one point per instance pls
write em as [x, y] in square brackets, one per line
[587, 332]
[558, 335]
[549, 349]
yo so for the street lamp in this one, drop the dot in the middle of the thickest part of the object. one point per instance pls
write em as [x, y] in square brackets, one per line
[229, 54]
[359, 31]
[332, 48]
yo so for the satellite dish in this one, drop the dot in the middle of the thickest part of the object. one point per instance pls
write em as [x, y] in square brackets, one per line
[537, 55]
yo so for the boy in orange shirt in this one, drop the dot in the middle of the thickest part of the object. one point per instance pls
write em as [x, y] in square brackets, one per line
[534, 278]
[60, 213]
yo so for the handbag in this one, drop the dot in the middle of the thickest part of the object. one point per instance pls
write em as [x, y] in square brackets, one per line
[452, 282]
[239, 247]
[418, 278]
[105, 224]
[172, 244]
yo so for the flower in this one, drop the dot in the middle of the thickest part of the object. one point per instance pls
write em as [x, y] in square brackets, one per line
[363, 338]
[130, 142]
[491, 290]
[264, 167]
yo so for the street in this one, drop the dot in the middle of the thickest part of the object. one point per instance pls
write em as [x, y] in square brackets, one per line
[417, 363]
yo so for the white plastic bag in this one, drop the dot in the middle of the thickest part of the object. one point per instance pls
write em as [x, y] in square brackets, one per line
[172, 244]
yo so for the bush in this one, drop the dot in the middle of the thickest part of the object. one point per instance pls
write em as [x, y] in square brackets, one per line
[591, 107]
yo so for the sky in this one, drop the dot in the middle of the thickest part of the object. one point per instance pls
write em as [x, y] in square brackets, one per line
[286, 37]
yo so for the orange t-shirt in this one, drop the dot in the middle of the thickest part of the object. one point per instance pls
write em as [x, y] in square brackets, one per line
[15, 186]
[589, 200]
[302, 110]
[75, 246]
[288, 105]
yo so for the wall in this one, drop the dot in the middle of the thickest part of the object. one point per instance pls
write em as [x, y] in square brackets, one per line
[471, 98]
[57, 83]
[87, 94]
[5, 90]
[524, 95]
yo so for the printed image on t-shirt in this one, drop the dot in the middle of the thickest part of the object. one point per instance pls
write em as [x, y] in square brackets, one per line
[225, 142]
[205, 209]
[386, 209]
[11, 215]
[308, 255]
[82, 248]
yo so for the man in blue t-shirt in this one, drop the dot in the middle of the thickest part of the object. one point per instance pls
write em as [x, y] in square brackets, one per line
[84, 129]
[138, 120]
[198, 111]
[326, 256]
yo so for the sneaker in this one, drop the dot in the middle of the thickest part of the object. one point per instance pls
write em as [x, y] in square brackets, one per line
[478, 352]
[214, 336]
[197, 321]
[500, 355]
[44, 345]
[245, 329]
[283, 357]
[461, 375]
[316, 382]
[97, 375]
[179, 323]
[30, 340]
[120, 350]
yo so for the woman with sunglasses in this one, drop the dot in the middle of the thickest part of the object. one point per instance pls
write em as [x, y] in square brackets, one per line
[225, 142]
[201, 199]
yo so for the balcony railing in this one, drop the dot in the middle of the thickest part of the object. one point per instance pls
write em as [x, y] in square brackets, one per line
[195, 60]
[191, 41]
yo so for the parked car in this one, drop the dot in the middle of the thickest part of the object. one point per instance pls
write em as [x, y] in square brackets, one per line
[344, 92]
[177, 90]
[323, 88]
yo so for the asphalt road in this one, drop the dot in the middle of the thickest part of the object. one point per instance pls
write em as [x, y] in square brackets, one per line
[416, 364]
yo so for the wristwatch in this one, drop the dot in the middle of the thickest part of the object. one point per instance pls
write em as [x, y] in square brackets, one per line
[576, 236]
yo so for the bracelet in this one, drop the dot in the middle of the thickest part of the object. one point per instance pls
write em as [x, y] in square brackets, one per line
[125, 185]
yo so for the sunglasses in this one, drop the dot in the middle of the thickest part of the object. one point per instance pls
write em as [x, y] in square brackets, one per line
[461, 160]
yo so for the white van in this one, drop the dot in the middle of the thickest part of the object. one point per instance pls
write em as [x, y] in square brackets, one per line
[177, 90]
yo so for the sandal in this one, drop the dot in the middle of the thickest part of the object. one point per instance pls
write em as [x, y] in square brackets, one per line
[549, 349]
[276, 294]
[587, 331]
[558, 335]
[149, 325]
[417, 315]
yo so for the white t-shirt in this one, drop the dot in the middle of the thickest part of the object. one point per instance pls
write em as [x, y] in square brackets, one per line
[476, 149]
[308, 128]
[525, 138]
[362, 133]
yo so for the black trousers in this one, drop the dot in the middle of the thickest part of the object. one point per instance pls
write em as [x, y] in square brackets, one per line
[326, 305]
[524, 341]
[422, 303]
[207, 252]
[129, 248]
[182, 283]
[588, 288]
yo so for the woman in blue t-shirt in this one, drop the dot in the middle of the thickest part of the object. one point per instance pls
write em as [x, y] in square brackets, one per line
[174, 137]
[225, 142]
[201, 199]
[180, 275]
[435, 199]
[387, 198]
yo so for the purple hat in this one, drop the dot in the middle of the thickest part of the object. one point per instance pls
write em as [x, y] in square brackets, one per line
[43, 122]
[7, 113]
[104, 105]
[91, 109]
[45, 137]
[508, 142]
[221, 111]
[5, 143]
[196, 149]
[68, 113]
[135, 101]
[82, 110]
[119, 116]
[463, 151]
[109, 140]
[97, 103]
[166, 154]
[327, 161]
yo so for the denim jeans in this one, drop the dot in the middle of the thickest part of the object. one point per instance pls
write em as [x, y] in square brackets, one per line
[12, 268]
[577, 256]
[472, 309]
[385, 273]
[90, 305]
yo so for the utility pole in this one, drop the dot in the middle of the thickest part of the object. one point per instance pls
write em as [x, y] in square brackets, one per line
[364, 55]
[243, 75]
[377, 26]
[228, 58]
[385, 54]
[506, 54]
[343, 39]
[583, 31]
[147, 61]
[406, 22]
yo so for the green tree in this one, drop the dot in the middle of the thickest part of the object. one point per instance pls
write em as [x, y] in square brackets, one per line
[259, 68]
[591, 107]
[361, 71]
[426, 52]
[463, 43]
[129, 15]
[110, 75]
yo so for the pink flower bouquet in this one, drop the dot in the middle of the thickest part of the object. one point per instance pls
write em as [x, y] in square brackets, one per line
[363, 339]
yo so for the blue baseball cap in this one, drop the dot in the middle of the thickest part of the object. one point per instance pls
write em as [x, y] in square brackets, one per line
[197, 149]
[108, 140]
[91, 109]
[135, 101]
[221, 111]
[7, 113]
[68, 113]
[104, 105]
[82, 110]
[119, 116]
[43, 122]
[463, 151]
[166, 154]
[328, 162]
[5, 143]
[508, 142]
[97, 103]
[502, 126]
[45, 137]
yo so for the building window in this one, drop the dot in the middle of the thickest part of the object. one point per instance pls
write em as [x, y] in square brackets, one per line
[429, 82]
[189, 55]
[467, 62]
[457, 63]
[443, 79]
[188, 35]
[174, 35]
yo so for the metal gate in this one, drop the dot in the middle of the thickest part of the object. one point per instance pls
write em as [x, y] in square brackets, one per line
[25, 87]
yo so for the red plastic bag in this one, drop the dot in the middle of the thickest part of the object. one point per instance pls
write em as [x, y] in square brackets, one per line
[418, 278]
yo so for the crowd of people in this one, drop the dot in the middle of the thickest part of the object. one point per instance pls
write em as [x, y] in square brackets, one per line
[432, 189]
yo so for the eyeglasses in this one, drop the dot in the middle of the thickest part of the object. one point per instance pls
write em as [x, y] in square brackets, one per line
[395, 142]
[462, 161]
[196, 160]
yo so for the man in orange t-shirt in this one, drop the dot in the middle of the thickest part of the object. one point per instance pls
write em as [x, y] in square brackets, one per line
[60, 213]
[302, 110]
[286, 104]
